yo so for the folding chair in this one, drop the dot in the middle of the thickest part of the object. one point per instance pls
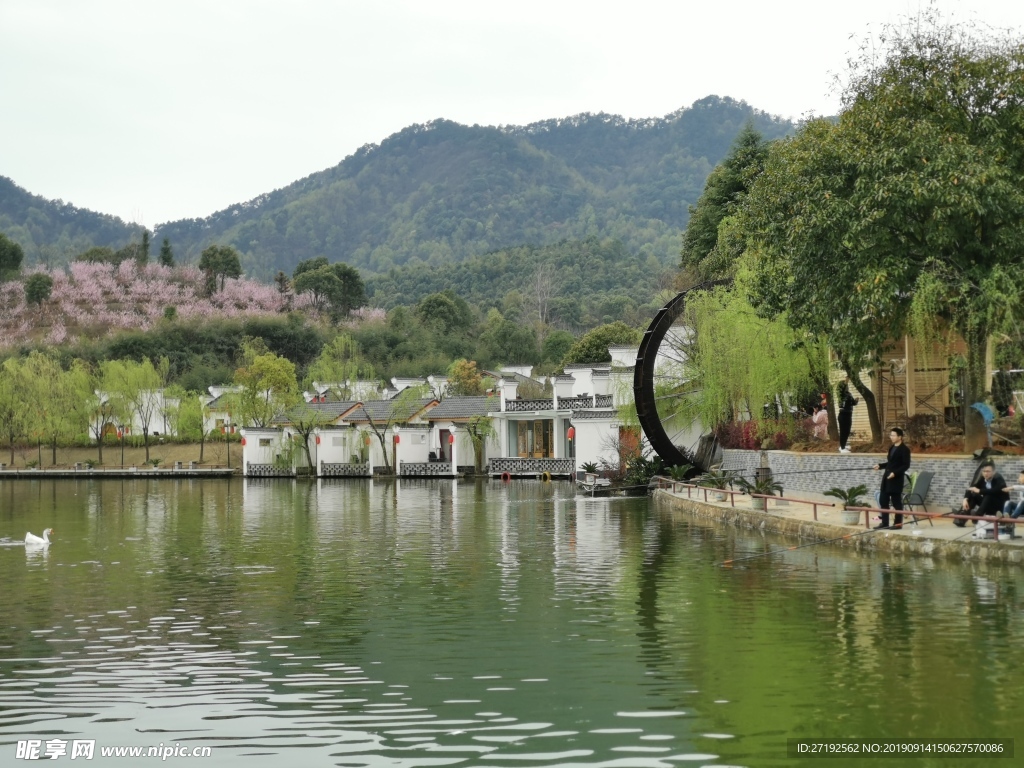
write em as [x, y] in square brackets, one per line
[917, 494]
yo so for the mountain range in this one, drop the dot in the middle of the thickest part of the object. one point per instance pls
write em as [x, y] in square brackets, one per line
[441, 193]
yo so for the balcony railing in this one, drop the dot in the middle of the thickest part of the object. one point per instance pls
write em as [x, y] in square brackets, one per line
[527, 405]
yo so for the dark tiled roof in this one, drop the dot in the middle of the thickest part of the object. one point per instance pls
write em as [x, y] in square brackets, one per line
[396, 411]
[463, 407]
[510, 375]
[331, 410]
[594, 414]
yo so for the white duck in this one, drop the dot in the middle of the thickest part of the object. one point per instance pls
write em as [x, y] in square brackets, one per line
[31, 540]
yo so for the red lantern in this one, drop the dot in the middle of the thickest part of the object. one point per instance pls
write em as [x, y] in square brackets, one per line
[571, 433]
[232, 429]
[398, 439]
[318, 439]
[120, 434]
[451, 439]
[367, 439]
[223, 430]
[243, 442]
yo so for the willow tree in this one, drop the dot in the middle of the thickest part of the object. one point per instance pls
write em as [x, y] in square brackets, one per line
[736, 361]
[913, 195]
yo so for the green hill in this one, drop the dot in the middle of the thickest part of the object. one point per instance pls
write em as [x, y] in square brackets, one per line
[440, 193]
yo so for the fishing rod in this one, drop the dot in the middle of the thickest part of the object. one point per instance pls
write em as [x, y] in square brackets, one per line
[805, 471]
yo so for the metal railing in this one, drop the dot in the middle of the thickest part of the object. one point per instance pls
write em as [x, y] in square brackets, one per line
[812, 502]
[997, 520]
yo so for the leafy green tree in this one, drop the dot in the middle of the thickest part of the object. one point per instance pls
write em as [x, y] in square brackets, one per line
[11, 256]
[340, 364]
[465, 379]
[592, 347]
[707, 250]
[792, 234]
[401, 408]
[321, 284]
[557, 345]
[305, 419]
[38, 288]
[14, 402]
[166, 254]
[219, 262]
[351, 293]
[135, 389]
[445, 312]
[268, 383]
[506, 341]
[334, 287]
[919, 198]
[480, 429]
[52, 400]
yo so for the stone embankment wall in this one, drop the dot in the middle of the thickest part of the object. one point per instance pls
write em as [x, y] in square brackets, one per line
[817, 472]
[843, 536]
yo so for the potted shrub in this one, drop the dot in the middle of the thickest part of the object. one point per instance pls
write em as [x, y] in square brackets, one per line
[719, 479]
[679, 472]
[850, 497]
[762, 485]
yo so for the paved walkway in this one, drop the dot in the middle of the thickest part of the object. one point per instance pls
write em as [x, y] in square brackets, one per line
[797, 518]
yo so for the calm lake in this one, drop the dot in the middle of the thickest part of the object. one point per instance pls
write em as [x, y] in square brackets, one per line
[358, 623]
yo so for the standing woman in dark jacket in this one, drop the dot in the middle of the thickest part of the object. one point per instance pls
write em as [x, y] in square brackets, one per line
[845, 417]
[896, 465]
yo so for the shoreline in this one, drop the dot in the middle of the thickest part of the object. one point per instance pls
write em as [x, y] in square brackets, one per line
[941, 542]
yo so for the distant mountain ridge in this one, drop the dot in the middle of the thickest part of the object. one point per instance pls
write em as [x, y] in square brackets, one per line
[441, 192]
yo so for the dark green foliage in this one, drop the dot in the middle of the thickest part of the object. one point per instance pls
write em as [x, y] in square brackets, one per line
[52, 231]
[166, 254]
[640, 469]
[703, 251]
[506, 341]
[593, 347]
[11, 256]
[219, 261]
[336, 288]
[100, 255]
[590, 280]
[205, 353]
[445, 312]
[38, 288]
[557, 345]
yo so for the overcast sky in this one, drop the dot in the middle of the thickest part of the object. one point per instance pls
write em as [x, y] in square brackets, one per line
[159, 110]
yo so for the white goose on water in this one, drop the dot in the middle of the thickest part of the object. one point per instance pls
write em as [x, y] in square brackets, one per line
[31, 540]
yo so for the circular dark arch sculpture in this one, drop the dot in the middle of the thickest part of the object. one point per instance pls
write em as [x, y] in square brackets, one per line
[652, 421]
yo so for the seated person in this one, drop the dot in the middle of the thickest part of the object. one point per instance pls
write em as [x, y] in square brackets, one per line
[986, 497]
[1015, 506]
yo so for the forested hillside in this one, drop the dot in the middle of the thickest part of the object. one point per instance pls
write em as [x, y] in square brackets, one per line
[571, 285]
[52, 232]
[442, 192]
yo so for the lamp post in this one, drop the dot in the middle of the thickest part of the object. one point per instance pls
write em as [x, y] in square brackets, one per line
[120, 436]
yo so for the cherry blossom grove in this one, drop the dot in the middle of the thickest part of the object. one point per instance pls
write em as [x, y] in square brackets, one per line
[97, 299]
